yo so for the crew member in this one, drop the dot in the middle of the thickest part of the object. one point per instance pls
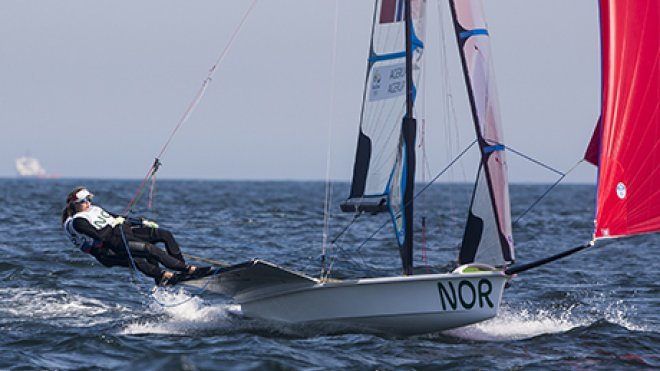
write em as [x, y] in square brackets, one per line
[99, 233]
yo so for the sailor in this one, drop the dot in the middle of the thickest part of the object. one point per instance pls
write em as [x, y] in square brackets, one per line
[99, 233]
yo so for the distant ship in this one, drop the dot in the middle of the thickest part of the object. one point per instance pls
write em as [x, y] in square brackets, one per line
[27, 166]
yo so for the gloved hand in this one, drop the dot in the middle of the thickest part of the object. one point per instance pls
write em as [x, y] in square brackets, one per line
[149, 224]
[118, 220]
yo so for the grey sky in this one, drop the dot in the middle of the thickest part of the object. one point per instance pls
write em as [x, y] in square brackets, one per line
[94, 88]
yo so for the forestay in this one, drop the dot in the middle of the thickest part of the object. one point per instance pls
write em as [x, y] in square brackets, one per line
[628, 198]
[487, 238]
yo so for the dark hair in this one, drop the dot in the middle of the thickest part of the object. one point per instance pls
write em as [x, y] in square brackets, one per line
[70, 208]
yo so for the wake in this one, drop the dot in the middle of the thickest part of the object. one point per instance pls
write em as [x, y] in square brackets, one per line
[180, 313]
[525, 323]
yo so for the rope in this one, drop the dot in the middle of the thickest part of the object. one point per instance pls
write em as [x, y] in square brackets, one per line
[206, 260]
[155, 166]
[205, 83]
[140, 189]
[191, 107]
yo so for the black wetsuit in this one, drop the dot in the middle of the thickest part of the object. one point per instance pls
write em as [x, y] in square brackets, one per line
[145, 255]
[156, 235]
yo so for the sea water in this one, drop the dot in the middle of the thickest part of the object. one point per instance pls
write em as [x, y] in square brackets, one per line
[59, 309]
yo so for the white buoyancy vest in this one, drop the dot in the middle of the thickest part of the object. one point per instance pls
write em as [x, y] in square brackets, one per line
[97, 217]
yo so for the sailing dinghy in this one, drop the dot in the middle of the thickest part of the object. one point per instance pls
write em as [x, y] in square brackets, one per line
[625, 147]
[383, 181]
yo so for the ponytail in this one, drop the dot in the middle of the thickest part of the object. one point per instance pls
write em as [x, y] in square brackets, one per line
[68, 212]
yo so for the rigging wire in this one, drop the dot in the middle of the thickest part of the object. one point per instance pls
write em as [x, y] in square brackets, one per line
[191, 107]
[537, 161]
[563, 175]
[328, 186]
[444, 170]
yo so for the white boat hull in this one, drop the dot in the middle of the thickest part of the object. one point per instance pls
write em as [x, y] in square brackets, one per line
[402, 305]
[407, 305]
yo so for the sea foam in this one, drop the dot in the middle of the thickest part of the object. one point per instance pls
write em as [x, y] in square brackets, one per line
[182, 313]
[58, 307]
[528, 322]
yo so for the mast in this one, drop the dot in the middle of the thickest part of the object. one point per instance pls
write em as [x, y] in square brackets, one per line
[409, 67]
[409, 131]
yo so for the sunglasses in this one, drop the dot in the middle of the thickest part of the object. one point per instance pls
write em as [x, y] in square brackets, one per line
[86, 199]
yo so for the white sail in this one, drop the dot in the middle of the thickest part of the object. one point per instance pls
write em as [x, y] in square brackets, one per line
[488, 237]
[384, 104]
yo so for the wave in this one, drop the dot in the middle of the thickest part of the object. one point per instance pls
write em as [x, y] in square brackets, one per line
[58, 307]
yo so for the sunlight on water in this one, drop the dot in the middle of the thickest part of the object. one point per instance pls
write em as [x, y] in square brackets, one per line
[55, 306]
[182, 314]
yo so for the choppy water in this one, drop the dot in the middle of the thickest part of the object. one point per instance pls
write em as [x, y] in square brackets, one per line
[59, 309]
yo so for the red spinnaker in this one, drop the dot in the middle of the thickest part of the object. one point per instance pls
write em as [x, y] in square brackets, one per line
[629, 161]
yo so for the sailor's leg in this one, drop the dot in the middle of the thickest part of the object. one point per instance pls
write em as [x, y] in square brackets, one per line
[147, 250]
[109, 258]
[155, 235]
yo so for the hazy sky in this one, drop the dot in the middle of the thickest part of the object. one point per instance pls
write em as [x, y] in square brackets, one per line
[94, 88]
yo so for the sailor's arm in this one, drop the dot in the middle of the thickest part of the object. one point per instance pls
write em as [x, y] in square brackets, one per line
[81, 225]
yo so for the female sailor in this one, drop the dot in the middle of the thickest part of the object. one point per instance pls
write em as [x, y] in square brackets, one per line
[109, 238]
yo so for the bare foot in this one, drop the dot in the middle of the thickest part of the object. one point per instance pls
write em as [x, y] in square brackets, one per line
[192, 269]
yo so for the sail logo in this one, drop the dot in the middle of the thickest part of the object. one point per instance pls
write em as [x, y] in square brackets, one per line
[388, 82]
[621, 190]
[466, 294]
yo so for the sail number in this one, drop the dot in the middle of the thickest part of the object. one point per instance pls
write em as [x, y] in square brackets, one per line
[387, 82]
[466, 294]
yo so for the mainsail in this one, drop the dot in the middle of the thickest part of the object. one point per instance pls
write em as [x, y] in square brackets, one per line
[488, 237]
[628, 133]
[384, 168]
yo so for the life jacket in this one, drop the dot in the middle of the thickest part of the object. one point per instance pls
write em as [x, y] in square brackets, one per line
[97, 217]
